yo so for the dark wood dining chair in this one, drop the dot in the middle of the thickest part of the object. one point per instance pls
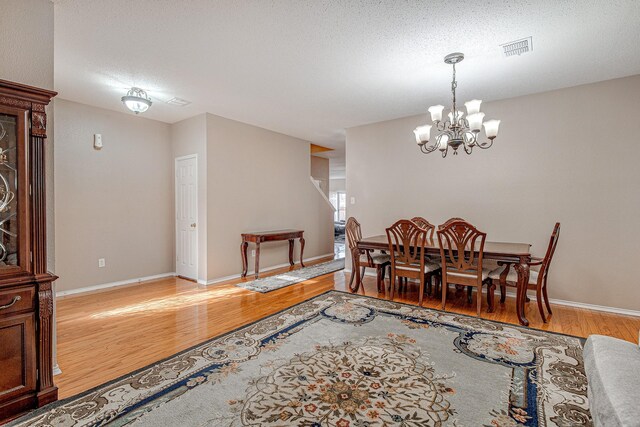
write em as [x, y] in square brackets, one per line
[461, 265]
[423, 223]
[504, 275]
[407, 243]
[364, 258]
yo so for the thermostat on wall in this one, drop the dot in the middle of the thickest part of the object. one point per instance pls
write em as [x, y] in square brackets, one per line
[97, 141]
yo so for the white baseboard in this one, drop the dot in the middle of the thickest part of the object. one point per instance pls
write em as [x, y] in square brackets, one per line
[250, 273]
[615, 310]
[113, 284]
[57, 370]
[574, 304]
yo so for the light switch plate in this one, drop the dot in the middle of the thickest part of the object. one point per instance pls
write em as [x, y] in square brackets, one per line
[101, 262]
[353, 200]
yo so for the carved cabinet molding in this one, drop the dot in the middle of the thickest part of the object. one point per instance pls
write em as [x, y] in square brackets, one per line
[26, 297]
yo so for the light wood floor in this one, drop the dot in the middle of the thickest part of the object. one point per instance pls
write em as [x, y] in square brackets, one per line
[104, 335]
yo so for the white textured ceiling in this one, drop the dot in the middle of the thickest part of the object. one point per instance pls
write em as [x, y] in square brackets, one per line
[313, 68]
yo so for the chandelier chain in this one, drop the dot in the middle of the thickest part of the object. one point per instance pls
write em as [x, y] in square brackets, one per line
[454, 85]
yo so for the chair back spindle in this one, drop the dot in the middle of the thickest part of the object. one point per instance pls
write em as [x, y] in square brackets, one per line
[423, 223]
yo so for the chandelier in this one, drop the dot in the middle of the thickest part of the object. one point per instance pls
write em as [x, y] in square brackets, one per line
[457, 130]
[137, 100]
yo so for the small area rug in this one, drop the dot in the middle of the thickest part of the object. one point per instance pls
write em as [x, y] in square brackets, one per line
[345, 360]
[271, 283]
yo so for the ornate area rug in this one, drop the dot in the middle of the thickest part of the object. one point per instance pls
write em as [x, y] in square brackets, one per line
[343, 360]
[271, 283]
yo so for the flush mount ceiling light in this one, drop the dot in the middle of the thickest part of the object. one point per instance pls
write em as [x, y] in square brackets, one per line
[458, 130]
[137, 100]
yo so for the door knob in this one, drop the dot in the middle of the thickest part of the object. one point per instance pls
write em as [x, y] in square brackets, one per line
[193, 225]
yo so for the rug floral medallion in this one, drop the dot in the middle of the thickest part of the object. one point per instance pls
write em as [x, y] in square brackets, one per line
[344, 360]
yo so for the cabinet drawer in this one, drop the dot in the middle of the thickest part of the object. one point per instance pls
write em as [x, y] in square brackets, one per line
[16, 299]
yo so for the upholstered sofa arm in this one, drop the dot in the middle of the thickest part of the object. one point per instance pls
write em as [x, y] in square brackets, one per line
[613, 374]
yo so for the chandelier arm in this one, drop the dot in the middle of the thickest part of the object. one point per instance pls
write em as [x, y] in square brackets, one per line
[485, 145]
[428, 149]
[467, 148]
[473, 139]
[439, 140]
[441, 126]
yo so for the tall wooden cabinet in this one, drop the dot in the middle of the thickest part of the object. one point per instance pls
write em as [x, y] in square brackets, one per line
[26, 299]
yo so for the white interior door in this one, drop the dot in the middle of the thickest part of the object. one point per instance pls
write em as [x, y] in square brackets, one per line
[187, 216]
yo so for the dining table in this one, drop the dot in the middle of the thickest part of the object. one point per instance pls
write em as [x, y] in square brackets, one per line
[518, 254]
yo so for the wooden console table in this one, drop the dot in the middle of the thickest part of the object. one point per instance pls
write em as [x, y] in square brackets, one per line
[269, 236]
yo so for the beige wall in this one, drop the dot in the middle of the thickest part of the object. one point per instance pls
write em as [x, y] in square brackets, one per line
[190, 137]
[259, 180]
[115, 203]
[26, 51]
[337, 185]
[320, 172]
[569, 155]
[26, 56]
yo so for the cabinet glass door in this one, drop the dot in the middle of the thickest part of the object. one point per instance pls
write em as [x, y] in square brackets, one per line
[9, 227]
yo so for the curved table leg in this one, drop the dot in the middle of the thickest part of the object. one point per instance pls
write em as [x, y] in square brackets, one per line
[291, 252]
[301, 251]
[257, 266]
[523, 279]
[243, 254]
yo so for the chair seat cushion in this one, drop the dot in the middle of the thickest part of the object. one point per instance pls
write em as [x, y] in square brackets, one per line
[485, 273]
[376, 258]
[429, 267]
[613, 375]
[513, 275]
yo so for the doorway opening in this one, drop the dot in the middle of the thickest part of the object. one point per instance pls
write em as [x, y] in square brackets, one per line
[339, 202]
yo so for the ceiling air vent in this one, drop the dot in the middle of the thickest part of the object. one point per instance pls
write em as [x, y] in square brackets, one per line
[179, 102]
[517, 47]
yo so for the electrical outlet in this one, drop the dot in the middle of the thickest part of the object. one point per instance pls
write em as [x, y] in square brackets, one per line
[253, 253]
[101, 262]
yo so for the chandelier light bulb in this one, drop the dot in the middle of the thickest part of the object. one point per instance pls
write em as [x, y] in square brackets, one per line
[444, 141]
[423, 134]
[491, 128]
[473, 106]
[475, 121]
[436, 112]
